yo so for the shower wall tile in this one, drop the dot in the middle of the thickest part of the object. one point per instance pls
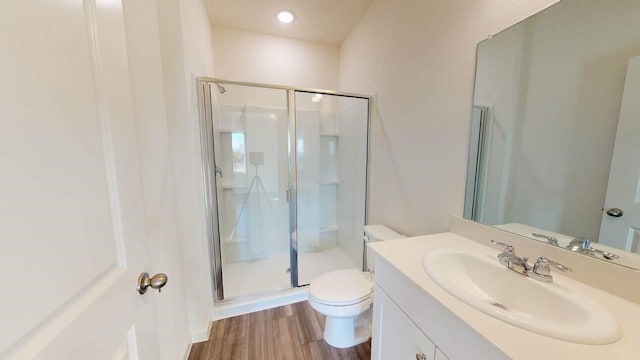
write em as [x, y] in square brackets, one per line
[308, 176]
[329, 124]
[328, 212]
[350, 207]
[229, 117]
[328, 161]
[353, 128]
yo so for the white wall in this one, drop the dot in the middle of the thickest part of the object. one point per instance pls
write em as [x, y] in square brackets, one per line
[187, 53]
[252, 57]
[199, 62]
[418, 59]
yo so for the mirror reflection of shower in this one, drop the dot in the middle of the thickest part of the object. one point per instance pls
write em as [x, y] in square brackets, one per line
[281, 171]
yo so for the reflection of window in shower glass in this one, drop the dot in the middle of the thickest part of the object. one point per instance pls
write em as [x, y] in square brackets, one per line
[239, 153]
[300, 153]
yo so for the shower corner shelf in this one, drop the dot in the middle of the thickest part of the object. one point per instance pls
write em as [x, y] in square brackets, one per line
[232, 186]
[235, 240]
[226, 130]
[330, 182]
[330, 134]
[329, 229]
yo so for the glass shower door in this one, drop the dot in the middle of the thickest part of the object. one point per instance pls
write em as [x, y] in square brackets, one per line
[331, 171]
[250, 136]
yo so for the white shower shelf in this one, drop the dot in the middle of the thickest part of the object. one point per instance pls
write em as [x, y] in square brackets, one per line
[235, 240]
[329, 229]
[330, 182]
[328, 134]
[229, 186]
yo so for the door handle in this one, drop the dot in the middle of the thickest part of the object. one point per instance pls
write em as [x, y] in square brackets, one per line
[145, 281]
[615, 212]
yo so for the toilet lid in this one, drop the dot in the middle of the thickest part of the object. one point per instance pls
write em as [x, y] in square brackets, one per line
[341, 287]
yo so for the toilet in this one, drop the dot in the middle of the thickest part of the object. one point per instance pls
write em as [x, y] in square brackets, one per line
[344, 297]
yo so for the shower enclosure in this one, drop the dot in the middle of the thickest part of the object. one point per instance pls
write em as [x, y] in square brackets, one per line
[285, 175]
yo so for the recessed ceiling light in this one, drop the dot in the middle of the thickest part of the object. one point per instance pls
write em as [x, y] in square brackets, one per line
[285, 17]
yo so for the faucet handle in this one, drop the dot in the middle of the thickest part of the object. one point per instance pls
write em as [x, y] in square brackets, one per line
[541, 266]
[557, 265]
[550, 239]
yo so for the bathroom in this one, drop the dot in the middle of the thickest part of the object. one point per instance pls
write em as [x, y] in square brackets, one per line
[416, 59]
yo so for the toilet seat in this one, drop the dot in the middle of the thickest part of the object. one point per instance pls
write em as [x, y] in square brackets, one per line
[344, 303]
[341, 288]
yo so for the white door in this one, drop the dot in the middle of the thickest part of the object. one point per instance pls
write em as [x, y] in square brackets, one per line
[623, 191]
[71, 213]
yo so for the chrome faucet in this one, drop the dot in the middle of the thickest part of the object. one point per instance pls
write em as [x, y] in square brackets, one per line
[509, 259]
[583, 246]
[580, 245]
[539, 271]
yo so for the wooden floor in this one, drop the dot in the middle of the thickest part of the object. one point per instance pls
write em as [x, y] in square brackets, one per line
[288, 332]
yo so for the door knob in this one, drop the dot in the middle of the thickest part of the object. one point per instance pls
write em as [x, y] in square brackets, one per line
[157, 282]
[615, 212]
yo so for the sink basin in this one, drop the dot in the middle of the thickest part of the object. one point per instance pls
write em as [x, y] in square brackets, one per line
[550, 309]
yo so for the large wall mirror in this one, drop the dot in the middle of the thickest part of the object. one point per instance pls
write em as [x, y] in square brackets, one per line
[555, 143]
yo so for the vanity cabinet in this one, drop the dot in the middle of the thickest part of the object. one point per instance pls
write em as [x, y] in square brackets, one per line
[407, 321]
[395, 335]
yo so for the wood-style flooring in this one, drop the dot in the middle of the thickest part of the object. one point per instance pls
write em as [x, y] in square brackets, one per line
[287, 332]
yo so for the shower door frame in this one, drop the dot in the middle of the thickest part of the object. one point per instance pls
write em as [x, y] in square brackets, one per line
[209, 179]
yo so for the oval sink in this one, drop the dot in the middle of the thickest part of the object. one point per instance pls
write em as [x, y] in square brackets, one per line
[550, 309]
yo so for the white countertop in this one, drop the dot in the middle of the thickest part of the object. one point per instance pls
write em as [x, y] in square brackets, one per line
[406, 254]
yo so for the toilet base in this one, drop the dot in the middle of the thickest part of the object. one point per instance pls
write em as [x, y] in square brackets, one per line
[344, 332]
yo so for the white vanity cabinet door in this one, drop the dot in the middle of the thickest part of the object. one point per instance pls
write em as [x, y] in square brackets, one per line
[395, 337]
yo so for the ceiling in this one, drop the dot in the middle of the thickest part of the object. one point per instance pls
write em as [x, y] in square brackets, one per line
[322, 21]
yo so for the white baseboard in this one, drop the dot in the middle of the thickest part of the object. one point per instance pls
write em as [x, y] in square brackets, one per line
[202, 334]
[187, 352]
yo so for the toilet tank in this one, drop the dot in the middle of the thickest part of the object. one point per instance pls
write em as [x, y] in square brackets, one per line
[376, 233]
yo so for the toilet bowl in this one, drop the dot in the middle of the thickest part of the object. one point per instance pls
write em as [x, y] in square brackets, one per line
[344, 297]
